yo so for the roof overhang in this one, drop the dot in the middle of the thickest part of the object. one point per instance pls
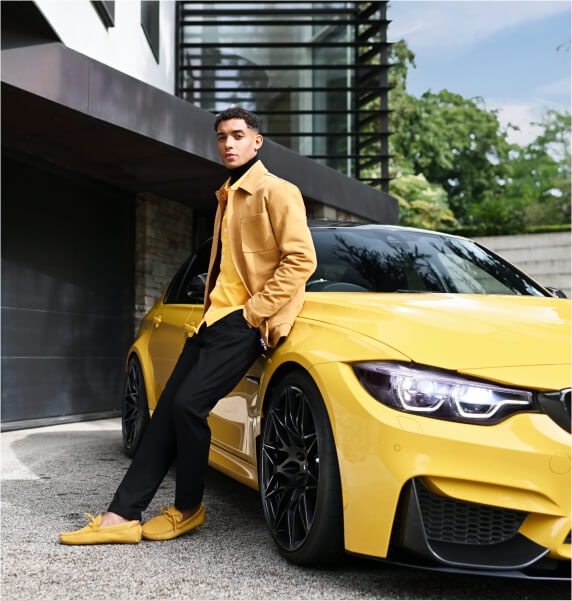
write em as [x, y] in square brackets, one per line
[75, 112]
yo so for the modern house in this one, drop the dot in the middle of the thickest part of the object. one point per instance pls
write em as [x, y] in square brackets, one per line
[109, 162]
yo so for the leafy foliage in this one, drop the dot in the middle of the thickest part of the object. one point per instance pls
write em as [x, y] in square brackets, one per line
[540, 178]
[456, 143]
[421, 204]
[454, 168]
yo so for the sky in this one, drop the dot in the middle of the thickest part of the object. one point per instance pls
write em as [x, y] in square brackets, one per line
[515, 54]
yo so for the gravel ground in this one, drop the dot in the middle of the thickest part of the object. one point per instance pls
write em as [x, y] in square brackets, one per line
[52, 475]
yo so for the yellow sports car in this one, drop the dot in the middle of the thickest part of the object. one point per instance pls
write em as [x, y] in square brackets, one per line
[419, 410]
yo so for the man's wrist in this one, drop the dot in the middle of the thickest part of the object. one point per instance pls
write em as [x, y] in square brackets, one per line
[250, 319]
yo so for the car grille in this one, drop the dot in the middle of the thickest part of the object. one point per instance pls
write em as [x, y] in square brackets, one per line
[454, 521]
[557, 406]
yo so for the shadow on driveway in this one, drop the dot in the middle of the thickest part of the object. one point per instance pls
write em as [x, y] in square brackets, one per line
[51, 476]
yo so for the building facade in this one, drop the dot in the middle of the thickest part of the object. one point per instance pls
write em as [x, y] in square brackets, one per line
[109, 165]
[315, 72]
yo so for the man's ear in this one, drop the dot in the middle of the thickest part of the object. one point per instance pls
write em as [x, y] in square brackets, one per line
[258, 141]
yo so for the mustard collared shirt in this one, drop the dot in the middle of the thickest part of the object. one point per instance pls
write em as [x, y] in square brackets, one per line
[229, 293]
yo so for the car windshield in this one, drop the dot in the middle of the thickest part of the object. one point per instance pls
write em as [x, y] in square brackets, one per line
[357, 259]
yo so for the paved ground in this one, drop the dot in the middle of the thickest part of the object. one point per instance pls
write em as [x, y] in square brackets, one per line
[52, 475]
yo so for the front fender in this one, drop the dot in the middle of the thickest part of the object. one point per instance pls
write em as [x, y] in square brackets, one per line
[312, 342]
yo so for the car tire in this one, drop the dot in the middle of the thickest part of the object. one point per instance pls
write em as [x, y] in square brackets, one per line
[134, 408]
[298, 474]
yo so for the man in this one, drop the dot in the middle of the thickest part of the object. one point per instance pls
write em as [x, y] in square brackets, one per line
[261, 257]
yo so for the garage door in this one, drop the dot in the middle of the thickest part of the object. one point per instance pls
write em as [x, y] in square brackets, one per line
[67, 293]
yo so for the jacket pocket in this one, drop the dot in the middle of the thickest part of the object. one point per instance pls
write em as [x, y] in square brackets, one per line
[256, 233]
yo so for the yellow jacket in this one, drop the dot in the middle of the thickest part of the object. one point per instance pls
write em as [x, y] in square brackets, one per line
[271, 247]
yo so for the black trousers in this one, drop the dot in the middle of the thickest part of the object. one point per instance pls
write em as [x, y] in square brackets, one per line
[211, 364]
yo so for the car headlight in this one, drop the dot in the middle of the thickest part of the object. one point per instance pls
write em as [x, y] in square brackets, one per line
[440, 395]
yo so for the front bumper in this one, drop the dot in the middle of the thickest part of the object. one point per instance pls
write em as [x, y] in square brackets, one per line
[468, 536]
[395, 465]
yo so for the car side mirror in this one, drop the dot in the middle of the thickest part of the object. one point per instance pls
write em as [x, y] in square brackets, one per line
[195, 292]
[556, 292]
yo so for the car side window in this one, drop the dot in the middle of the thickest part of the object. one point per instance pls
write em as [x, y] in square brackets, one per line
[175, 284]
[191, 286]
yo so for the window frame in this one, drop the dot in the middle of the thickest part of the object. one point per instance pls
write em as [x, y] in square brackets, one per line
[198, 260]
[106, 11]
[150, 21]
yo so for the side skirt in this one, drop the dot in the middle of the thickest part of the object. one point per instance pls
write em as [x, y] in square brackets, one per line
[231, 465]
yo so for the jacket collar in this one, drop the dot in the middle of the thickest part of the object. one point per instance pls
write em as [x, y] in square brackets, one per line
[249, 181]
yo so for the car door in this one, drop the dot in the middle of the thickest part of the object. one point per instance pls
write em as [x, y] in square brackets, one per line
[178, 316]
[234, 421]
[235, 418]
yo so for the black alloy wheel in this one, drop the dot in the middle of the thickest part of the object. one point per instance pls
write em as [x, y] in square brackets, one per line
[298, 474]
[134, 409]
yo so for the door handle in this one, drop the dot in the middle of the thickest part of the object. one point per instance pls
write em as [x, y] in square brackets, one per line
[191, 327]
[157, 320]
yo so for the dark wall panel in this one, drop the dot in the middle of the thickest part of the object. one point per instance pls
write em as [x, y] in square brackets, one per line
[67, 292]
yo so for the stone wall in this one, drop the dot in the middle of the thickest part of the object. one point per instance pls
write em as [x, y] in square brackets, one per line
[545, 257]
[163, 242]
[163, 238]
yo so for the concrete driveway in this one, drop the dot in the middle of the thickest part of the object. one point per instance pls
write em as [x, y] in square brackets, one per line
[52, 475]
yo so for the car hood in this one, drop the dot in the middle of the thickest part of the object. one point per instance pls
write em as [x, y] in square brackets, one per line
[454, 331]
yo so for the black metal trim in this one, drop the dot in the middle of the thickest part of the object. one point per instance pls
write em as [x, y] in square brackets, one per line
[40, 422]
[242, 12]
[345, 156]
[338, 134]
[274, 89]
[366, 63]
[106, 11]
[277, 22]
[557, 406]
[560, 574]
[233, 78]
[371, 31]
[283, 67]
[150, 23]
[178, 41]
[225, 45]
[323, 112]
[516, 553]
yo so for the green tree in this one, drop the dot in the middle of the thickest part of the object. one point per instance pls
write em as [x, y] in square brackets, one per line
[457, 143]
[421, 203]
[540, 180]
[451, 160]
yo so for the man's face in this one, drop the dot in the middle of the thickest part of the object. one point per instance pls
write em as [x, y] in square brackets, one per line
[237, 143]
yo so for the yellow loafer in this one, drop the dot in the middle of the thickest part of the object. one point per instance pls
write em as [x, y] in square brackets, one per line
[94, 534]
[168, 524]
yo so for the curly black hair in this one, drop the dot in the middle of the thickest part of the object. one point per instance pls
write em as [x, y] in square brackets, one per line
[238, 112]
